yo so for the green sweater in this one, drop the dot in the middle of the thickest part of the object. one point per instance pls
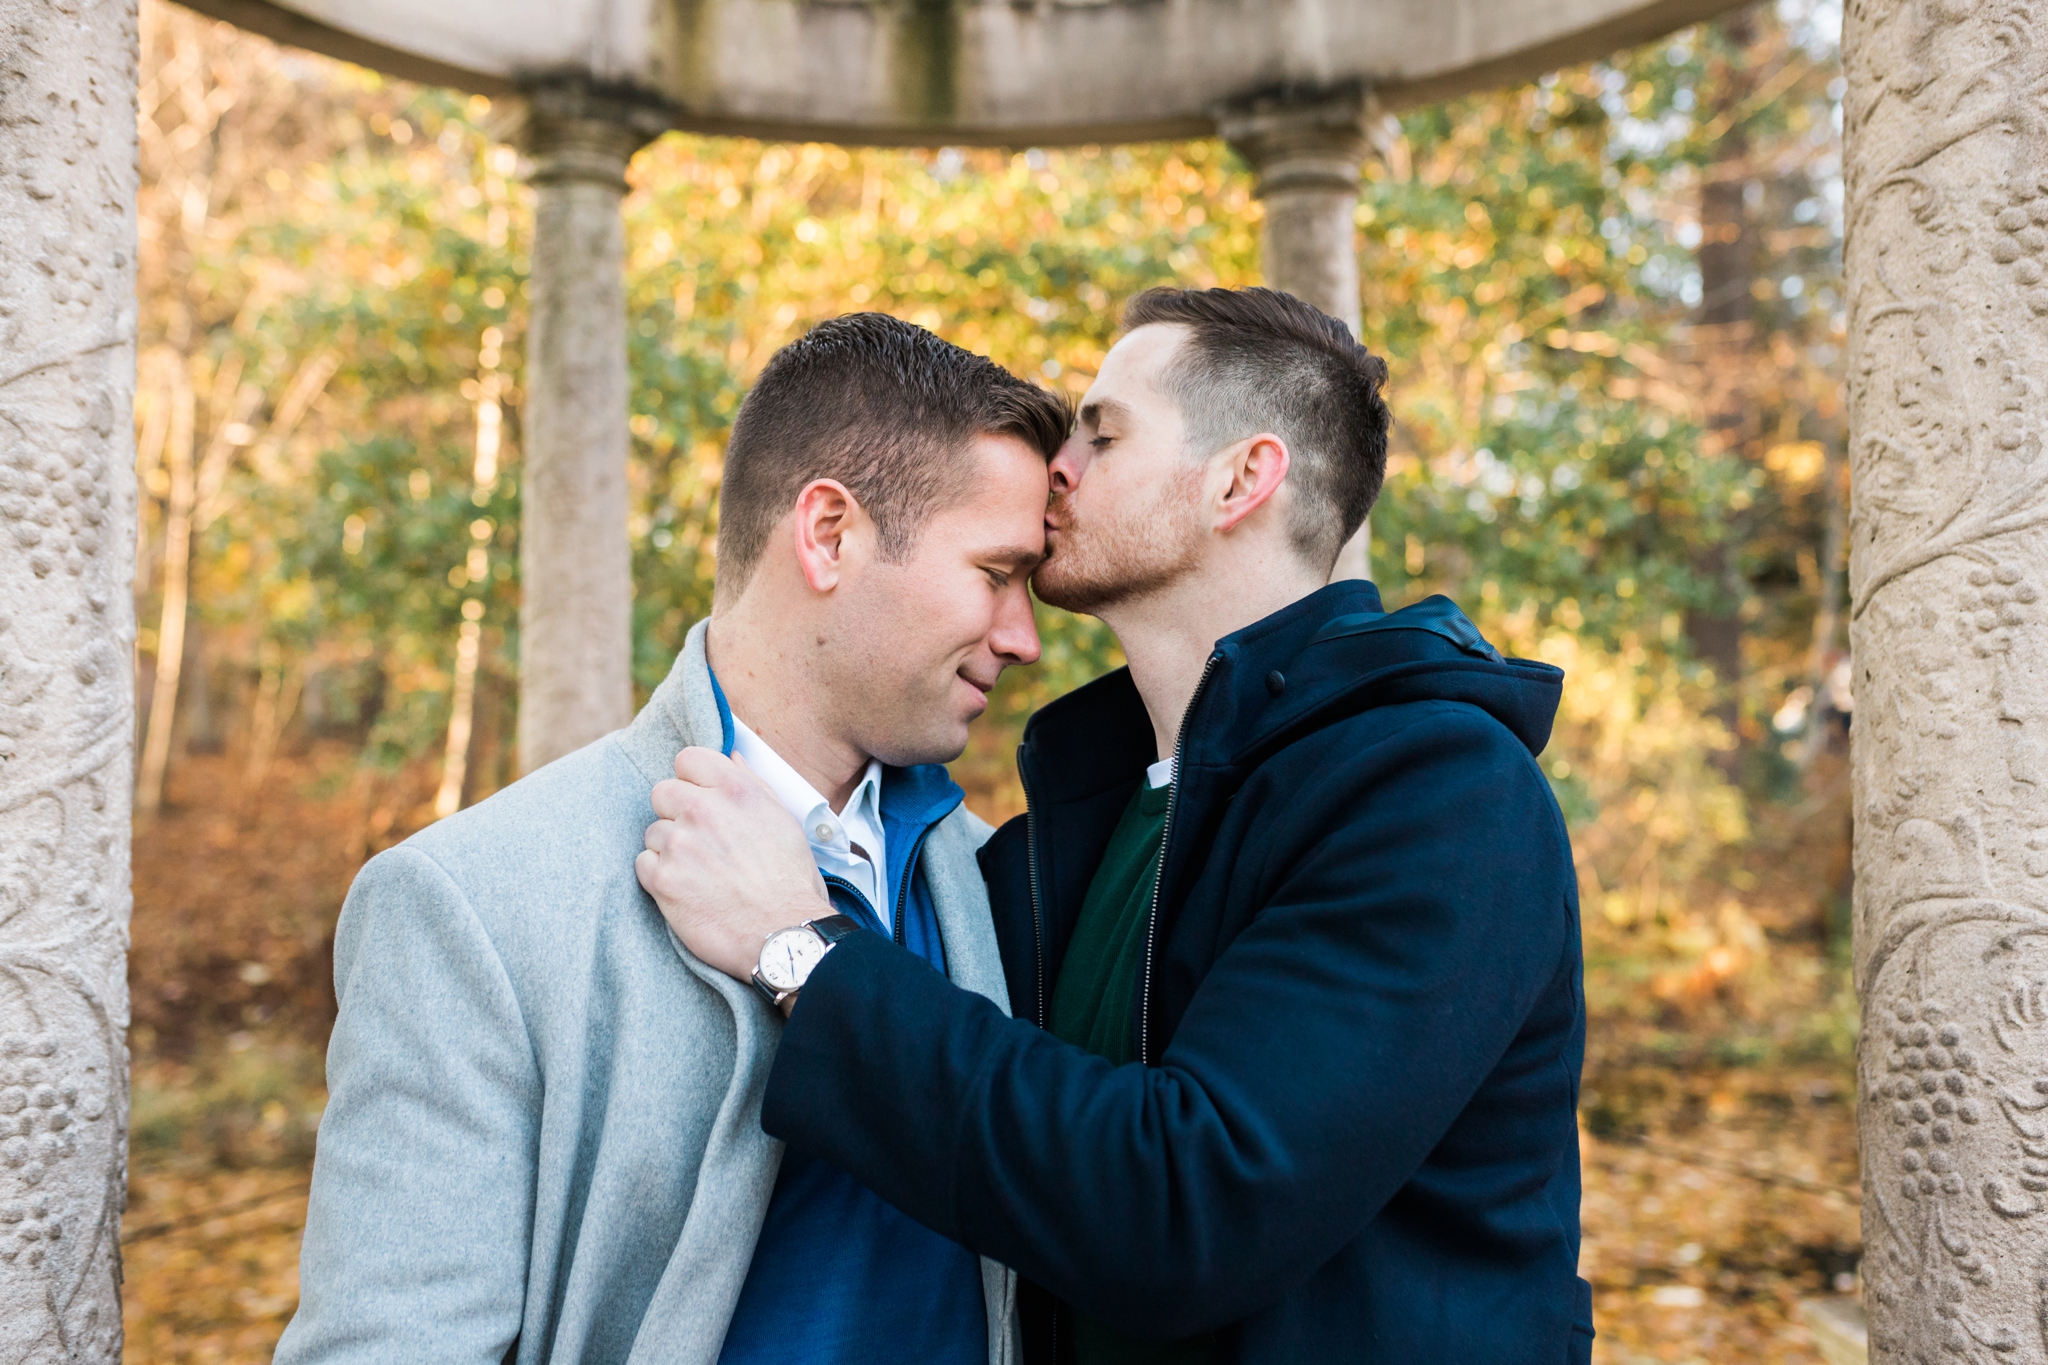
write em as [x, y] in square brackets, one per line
[1091, 1008]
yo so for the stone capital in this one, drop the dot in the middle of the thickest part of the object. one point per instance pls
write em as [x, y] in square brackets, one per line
[1306, 142]
[573, 132]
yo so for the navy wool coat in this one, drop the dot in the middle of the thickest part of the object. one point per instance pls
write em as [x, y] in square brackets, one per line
[1350, 1135]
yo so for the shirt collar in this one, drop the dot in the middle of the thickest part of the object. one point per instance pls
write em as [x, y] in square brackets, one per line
[866, 800]
[798, 796]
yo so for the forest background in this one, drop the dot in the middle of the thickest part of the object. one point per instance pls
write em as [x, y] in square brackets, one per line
[1612, 304]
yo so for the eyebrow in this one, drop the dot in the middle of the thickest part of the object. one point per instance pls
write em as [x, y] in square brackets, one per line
[1093, 413]
[1019, 557]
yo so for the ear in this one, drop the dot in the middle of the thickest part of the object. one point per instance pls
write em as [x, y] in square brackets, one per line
[825, 513]
[1256, 469]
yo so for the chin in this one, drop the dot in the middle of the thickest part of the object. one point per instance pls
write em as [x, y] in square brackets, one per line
[942, 743]
[933, 748]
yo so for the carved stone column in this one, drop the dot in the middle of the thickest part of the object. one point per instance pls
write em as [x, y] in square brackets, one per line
[576, 613]
[1947, 216]
[67, 631]
[1306, 154]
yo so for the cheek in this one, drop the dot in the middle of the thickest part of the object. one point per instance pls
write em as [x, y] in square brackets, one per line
[928, 627]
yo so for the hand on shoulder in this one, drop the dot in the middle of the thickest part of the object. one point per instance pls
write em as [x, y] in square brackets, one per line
[725, 863]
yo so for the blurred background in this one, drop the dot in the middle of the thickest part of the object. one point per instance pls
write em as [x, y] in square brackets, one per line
[1611, 301]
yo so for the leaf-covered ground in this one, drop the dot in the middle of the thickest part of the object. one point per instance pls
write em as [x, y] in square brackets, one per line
[220, 1280]
[1690, 1261]
[1693, 1259]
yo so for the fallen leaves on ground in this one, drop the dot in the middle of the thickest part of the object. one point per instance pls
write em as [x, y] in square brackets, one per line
[212, 1263]
[1717, 1200]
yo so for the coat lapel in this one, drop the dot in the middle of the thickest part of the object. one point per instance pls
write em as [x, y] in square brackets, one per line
[973, 962]
[686, 1319]
[960, 900]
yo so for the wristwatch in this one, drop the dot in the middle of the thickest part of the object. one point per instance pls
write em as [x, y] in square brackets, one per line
[790, 955]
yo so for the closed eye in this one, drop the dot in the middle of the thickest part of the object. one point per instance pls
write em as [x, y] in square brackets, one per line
[1101, 442]
[997, 577]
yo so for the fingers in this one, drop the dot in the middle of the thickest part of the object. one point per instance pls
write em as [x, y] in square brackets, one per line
[704, 767]
[651, 870]
[672, 797]
[747, 777]
[680, 799]
[656, 866]
[709, 768]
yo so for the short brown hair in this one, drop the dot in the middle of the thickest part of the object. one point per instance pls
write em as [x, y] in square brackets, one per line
[1260, 360]
[884, 407]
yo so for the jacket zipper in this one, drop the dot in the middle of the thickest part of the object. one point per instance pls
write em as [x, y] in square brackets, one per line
[1180, 744]
[1031, 874]
[1038, 963]
[903, 891]
[850, 889]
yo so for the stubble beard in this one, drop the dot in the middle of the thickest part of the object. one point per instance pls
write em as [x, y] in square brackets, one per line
[1124, 557]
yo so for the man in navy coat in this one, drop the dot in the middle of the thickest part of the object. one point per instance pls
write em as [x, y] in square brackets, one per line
[1290, 929]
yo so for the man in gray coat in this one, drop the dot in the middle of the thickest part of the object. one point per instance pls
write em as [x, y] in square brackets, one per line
[543, 1141]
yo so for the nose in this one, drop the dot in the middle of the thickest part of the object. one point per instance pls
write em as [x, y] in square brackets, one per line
[1014, 638]
[1069, 465]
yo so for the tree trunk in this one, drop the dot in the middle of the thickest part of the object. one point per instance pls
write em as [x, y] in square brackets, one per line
[483, 478]
[1725, 330]
[278, 686]
[1827, 616]
[1946, 173]
[170, 630]
[461, 715]
[67, 626]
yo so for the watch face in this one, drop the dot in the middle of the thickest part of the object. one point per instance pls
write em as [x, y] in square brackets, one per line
[788, 956]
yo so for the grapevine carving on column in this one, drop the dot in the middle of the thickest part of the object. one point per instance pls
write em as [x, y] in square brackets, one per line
[67, 535]
[1946, 169]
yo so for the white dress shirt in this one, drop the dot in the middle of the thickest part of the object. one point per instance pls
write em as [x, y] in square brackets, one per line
[848, 844]
[1160, 774]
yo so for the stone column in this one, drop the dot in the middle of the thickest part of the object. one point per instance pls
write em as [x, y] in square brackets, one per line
[1946, 171]
[1306, 154]
[575, 620]
[67, 633]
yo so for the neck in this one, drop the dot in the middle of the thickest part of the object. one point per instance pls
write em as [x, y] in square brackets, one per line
[1168, 636]
[771, 683]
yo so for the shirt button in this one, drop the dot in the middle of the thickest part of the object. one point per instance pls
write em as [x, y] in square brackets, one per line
[824, 834]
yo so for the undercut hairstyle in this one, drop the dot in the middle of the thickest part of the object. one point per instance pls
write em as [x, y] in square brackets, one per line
[1258, 360]
[885, 408]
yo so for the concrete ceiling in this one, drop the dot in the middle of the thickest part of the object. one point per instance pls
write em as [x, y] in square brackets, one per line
[1001, 72]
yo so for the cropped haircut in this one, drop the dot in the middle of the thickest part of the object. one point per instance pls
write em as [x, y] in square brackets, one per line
[885, 408]
[1258, 360]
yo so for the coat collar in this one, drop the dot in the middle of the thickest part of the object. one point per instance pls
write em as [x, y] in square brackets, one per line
[1334, 649]
[684, 712]
[1099, 737]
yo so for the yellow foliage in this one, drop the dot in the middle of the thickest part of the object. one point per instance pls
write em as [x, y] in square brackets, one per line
[1638, 755]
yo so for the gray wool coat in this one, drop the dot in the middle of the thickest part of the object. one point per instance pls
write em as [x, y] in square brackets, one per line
[543, 1137]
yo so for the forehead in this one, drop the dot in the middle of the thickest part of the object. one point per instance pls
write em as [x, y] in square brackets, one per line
[1004, 514]
[1131, 371]
[1007, 473]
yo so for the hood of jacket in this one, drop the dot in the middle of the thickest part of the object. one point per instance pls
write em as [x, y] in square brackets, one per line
[1329, 655]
